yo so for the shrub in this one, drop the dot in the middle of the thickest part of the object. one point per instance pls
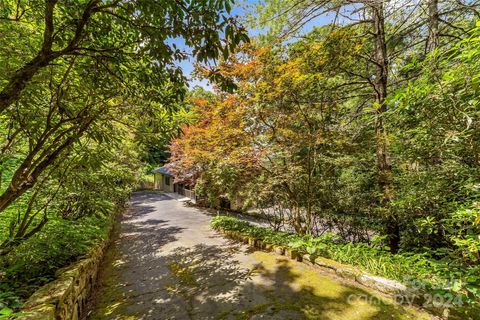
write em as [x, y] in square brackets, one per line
[34, 262]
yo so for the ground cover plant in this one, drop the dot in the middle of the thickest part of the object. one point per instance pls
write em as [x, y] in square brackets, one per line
[421, 271]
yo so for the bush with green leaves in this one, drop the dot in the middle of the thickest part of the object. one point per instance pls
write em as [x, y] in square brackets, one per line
[435, 127]
[34, 262]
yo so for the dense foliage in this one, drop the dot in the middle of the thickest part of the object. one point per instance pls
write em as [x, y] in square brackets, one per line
[60, 243]
[299, 141]
[352, 139]
[367, 128]
[87, 89]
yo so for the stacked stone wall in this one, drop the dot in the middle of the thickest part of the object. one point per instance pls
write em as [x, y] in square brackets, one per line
[66, 297]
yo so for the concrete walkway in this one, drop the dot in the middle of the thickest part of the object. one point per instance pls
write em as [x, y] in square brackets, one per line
[167, 263]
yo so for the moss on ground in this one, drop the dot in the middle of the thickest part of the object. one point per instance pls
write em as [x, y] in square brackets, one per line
[218, 281]
[184, 274]
[293, 291]
[112, 303]
[302, 291]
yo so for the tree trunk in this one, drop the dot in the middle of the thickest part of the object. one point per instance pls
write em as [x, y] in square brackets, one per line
[433, 32]
[385, 178]
[11, 92]
[26, 175]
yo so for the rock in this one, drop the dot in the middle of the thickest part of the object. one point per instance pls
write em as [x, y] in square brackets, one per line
[63, 311]
[43, 312]
[279, 250]
[51, 293]
[382, 284]
[347, 273]
[70, 271]
[74, 315]
[292, 254]
[308, 259]
[65, 297]
[259, 244]
[299, 257]
[327, 263]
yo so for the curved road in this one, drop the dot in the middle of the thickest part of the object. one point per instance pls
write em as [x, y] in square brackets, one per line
[166, 263]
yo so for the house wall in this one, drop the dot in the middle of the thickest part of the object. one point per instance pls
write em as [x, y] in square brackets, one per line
[161, 182]
[157, 180]
[167, 187]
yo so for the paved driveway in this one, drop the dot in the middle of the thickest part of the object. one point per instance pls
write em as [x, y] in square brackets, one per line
[167, 263]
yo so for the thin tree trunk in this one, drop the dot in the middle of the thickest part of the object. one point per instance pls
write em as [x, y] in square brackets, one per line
[26, 175]
[433, 32]
[19, 80]
[11, 92]
[385, 179]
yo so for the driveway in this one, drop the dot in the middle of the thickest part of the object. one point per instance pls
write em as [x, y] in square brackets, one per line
[167, 263]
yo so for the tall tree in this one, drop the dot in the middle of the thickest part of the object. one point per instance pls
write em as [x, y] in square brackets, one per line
[88, 59]
[393, 31]
[112, 29]
[433, 26]
[384, 164]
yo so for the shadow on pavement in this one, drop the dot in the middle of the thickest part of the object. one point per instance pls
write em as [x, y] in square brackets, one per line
[146, 277]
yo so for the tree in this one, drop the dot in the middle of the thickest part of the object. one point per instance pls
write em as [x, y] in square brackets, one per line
[160, 125]
[91, 180]
[216, 152]
[298, 95]
[112, 30]
[389, 31]
[433, 21]
[91, 61]
[290, 123]
[436, 134]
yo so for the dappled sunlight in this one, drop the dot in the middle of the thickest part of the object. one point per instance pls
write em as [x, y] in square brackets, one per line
[297, 287]
[159, 269]
[320, 130]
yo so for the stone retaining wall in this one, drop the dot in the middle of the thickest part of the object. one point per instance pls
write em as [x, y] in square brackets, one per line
[66, 297]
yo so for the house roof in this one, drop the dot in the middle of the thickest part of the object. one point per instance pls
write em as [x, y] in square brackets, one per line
[163, 170]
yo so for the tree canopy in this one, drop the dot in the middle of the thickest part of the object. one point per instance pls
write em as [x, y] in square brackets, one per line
[87, 90]
[359, 127]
